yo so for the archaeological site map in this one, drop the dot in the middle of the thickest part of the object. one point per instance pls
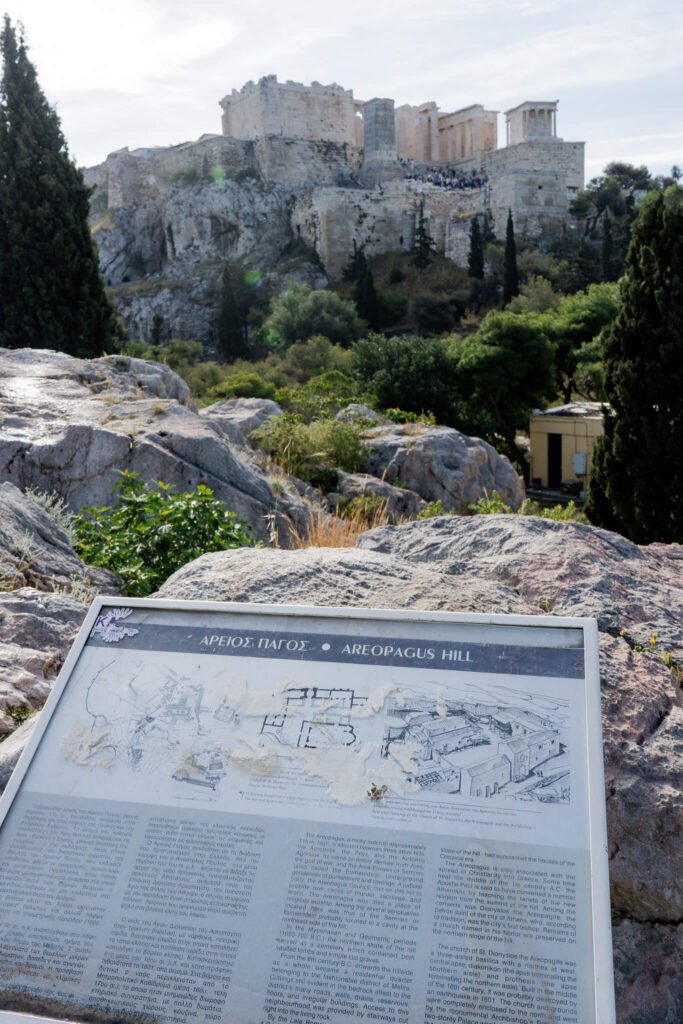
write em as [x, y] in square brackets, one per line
[303, 816]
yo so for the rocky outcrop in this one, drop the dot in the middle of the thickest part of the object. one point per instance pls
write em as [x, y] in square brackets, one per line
[71, 425]
[35, 551]
[529, 565]
[398, 503]
[441, 464]
[237, 417]
[36, 630]
[44, 590]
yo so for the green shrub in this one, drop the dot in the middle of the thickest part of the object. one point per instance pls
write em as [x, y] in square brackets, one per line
[568, 513]
[154, 530]
[243, 384]
[312, 451]
[320, 397]
[434, 508]
[490, 506]
[401, 416]
[365, 505]
[18, 712]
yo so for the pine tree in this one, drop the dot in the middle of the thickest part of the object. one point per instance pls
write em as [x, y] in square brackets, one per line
[511, 275]
[475, 261]
[51, 292]
[232, 342]
[636, 485]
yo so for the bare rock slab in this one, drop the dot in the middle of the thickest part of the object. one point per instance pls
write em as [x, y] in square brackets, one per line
[35, 550]
[36, 632]
[71, 425]
[529, 565]
[441, 464]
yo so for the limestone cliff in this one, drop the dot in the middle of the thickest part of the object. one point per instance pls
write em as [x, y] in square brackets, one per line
[166, 220]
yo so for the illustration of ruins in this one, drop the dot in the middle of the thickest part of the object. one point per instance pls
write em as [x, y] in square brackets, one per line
[483, 750]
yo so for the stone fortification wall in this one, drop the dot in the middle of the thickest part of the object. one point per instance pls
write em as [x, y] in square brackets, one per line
[301, 162]
[537, 181]
[383, 220]
[128, 177]
[292, 110]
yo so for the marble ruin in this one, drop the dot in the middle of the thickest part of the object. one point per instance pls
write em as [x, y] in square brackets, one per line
[313, 163]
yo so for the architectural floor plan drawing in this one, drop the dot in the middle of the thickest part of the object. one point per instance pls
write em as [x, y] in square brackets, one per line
[167, 724]
[483, 749]
[315, 718]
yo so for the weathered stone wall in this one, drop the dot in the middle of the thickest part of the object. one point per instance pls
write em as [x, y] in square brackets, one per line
[291, 110]
[299, 162]
[537, 181]
[383, 220]
[380, 161]
[128, 177]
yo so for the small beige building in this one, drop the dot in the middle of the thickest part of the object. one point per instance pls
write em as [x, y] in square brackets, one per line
[561, 443]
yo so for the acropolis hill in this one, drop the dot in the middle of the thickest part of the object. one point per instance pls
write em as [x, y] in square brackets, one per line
[313, 164]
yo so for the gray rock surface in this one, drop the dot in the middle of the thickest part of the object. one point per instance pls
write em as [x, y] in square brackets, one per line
[355, 411]
[528, 565]
[237, 417]
[36, 630]
[400, 502]
[35, 550]
[441, 464]
[12, 748]
[70, 425]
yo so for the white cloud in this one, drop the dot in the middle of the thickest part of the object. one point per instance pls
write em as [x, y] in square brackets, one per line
[152, 71]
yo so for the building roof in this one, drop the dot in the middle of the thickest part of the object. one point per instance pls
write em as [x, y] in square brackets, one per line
[487, 766]
[586, 410]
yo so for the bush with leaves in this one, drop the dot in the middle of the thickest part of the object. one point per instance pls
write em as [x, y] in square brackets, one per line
[153, 531]
[243, 384]
[494, 505]
[412, 373]
[320, 397]
[300, 313]
[312, 451]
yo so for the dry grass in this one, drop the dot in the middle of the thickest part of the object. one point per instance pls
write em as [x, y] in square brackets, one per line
[325, 531]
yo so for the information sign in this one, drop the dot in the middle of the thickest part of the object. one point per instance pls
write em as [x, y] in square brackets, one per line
[283, 815]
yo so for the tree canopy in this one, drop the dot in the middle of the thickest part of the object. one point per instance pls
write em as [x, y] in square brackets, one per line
[300, 313]
[505, 369]
[51, 292]
[637, 481]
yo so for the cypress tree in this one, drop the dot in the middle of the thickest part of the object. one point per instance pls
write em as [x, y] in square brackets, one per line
[356, 267]
[475, 261]
[424, 248]
[232, 342]
[51, 292]
[367, 300]
[489, 231]
[606, 261]
[511, 275]
[636, 485]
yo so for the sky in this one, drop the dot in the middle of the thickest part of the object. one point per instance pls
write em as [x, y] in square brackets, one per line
[151, 72]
